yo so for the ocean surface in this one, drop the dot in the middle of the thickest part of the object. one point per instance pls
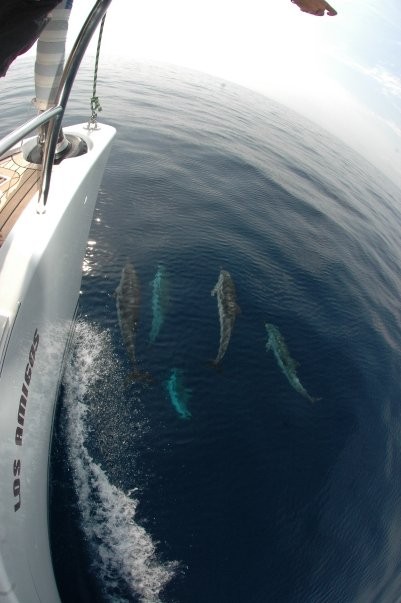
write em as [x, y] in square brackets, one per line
[274, 477]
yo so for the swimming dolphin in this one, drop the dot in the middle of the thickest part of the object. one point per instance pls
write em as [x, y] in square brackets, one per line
[179, 394]
[160, 299]
[127, 297]
[287, 364]
[228, 310]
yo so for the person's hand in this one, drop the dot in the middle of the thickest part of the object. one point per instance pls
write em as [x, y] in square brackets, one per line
[315, 7]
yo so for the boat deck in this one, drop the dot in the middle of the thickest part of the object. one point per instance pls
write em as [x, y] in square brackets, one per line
[19, 181]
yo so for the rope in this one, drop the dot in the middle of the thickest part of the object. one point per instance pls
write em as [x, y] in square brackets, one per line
[94, 102]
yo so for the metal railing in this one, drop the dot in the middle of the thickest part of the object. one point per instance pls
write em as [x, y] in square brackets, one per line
[54, 115]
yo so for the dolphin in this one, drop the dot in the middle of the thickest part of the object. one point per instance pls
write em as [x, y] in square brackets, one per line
[160, 300]
[179, 394]
[228, 310]
[287, 364]
[127, 296]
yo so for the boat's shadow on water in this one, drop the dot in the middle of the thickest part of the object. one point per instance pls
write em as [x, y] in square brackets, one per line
[95, 481]
[66, 535]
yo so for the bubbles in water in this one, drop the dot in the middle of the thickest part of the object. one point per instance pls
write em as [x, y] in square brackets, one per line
[124, 553]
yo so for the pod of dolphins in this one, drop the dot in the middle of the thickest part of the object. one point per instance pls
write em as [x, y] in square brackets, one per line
[127, 296]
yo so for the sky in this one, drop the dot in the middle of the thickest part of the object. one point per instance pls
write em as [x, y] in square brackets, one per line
[342, 72]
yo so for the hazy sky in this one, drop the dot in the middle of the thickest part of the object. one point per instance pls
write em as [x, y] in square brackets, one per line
[343, 72]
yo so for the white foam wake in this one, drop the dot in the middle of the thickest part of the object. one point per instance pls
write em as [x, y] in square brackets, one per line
[123, 550]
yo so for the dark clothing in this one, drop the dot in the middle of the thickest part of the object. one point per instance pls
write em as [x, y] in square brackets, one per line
[21, 22]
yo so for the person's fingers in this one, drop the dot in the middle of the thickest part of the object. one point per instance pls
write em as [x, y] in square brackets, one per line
[318, 12]
[330, 10]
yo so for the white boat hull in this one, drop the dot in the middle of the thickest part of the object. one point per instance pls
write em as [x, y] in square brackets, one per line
[40, 276]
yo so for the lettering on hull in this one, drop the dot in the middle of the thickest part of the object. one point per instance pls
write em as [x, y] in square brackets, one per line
[19, 432]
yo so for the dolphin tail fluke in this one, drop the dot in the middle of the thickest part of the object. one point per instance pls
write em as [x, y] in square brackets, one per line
[216, 364]
[140, 376]
[311, 399]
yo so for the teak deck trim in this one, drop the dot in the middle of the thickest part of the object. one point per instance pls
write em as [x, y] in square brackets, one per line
[19, 181]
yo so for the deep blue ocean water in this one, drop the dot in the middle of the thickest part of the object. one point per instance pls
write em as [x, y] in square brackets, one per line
[257, 495]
